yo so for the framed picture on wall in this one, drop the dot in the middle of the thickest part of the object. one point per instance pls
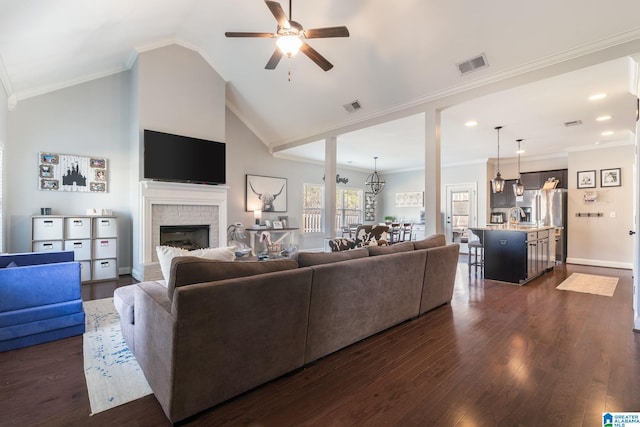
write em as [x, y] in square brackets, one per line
[587, 179]
[610, 177]
[266, 193]
[369, 207]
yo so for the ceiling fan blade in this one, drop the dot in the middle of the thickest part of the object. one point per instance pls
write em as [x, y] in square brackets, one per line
[273, 61]
[278, 13]
[243, 34]
[317, 33]
[316, 57]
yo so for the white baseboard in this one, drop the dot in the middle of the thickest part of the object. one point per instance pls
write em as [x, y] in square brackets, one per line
[600, 263]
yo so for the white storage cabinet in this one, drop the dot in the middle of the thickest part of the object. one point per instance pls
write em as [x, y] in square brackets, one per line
[93, 239]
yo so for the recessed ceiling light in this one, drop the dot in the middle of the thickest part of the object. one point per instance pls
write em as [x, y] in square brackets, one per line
[603, 118]
[597, 96]
[607, 133]
[471, 123]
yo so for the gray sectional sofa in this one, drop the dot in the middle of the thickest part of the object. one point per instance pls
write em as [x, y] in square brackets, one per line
[218, 329]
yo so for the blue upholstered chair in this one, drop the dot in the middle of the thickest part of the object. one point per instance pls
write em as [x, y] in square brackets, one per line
[40, 298]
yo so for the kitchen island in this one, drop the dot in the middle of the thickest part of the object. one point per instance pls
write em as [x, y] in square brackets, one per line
[515, 253]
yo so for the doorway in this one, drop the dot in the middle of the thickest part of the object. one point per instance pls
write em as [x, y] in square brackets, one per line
[461, 213]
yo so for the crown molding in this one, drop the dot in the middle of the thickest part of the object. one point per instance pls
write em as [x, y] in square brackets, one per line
[418, 104]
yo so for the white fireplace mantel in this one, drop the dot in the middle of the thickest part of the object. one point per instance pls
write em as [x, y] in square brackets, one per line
[170, 193]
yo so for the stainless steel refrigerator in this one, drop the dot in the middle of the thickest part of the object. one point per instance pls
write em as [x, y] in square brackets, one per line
[547, 208]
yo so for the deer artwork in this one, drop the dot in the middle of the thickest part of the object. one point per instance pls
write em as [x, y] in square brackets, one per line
[267, 199]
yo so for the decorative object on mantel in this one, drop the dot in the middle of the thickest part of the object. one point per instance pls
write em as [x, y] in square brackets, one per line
[339, 180]
[267, 193]
[610, 177]
[375, 182]
[518, 187]
[414, 199]
[497, 183]
[65, 172]
[587, 179]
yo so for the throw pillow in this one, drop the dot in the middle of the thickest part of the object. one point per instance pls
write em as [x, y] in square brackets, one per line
[167, 253]
[339, 244]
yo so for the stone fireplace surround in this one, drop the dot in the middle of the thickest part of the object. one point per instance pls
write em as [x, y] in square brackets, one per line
[179, 204]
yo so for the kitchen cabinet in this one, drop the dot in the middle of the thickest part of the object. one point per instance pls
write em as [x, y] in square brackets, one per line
[516, 255]
[506, 199]
[535, 180]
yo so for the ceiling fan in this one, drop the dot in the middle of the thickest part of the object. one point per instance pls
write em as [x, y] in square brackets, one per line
[290, 37]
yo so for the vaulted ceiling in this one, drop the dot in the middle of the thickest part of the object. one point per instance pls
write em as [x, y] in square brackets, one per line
[399, 55]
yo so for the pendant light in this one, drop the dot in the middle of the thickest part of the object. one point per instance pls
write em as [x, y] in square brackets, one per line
[375, 182]
[497, 183]
[518, 187]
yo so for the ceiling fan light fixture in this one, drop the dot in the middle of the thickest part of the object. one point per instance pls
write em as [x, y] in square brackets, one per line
[289, 44]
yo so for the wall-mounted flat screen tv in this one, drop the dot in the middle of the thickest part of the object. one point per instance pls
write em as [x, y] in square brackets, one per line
[169, 157]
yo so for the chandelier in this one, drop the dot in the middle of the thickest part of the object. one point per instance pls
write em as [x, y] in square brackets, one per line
[497, 183]
[375, 182]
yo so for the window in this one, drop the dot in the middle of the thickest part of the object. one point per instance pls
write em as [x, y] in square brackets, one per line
[349, 203]
[313, 203]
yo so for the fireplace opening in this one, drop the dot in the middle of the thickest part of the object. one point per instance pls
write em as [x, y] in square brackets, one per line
[188, 237]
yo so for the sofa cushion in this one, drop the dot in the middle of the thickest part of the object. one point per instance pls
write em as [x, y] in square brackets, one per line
[432, 241]
[392, 249]
[167, 253]
[188, 270]
[306, 259]
[123, 300]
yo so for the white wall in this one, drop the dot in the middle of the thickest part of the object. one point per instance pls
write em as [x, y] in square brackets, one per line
[400, 182]
[176, 91]
[246, 154]
[602, 241]
[89, 119]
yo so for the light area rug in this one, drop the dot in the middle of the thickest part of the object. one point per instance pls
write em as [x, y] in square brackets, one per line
[112, 373]
[589, 284]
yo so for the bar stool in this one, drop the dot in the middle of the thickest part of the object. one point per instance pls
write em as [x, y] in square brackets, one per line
[476, 255]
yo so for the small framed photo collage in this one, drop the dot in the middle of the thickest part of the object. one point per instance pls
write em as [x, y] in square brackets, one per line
[66, 172]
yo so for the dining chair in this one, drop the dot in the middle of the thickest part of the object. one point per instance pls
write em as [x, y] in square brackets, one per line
[407, 230]
[394, 232]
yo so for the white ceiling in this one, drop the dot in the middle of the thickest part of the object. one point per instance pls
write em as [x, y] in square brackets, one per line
[398, 56]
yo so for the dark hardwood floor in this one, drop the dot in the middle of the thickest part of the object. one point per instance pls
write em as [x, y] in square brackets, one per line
[499, 355]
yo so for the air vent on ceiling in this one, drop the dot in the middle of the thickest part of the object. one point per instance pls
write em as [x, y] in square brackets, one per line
[352, 106]
[573, 123]
[473, 64]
